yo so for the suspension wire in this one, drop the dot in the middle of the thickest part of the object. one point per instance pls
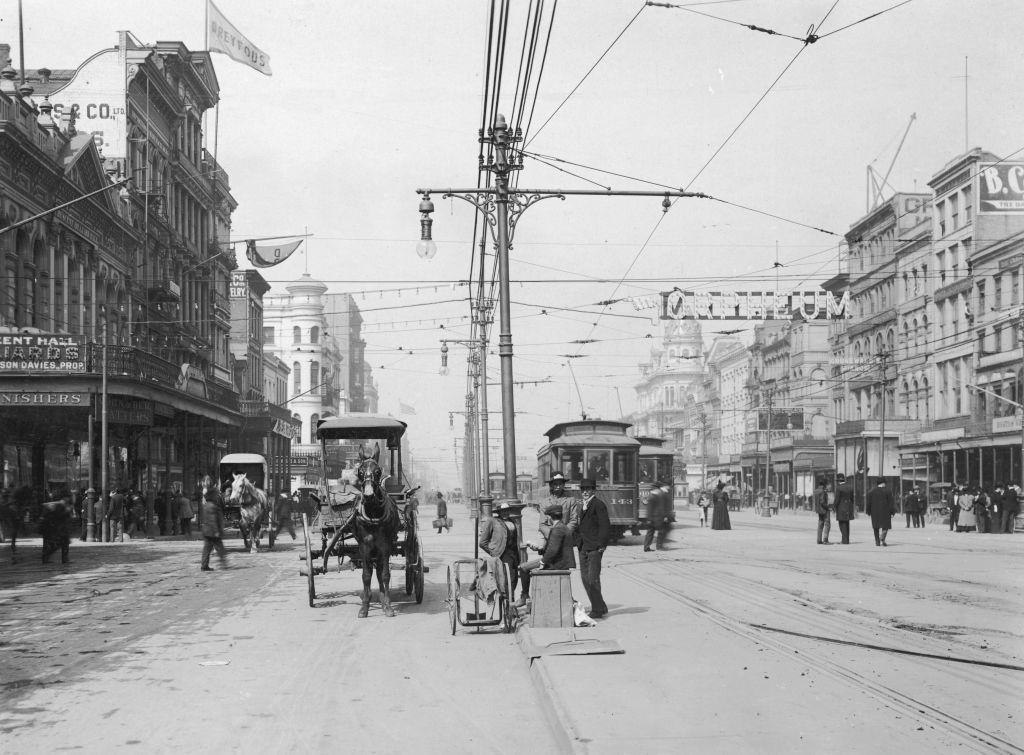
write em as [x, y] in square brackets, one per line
[540, 73]
[752, 27]
[590, 71]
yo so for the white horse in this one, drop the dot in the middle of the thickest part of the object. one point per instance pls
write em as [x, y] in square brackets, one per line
[254, 509]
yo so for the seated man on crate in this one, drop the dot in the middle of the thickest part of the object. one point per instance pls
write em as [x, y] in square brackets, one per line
[555, 551]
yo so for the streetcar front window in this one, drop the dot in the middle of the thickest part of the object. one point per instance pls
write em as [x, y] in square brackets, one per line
[625, 466]
[647, 470]
[599, 465]
[572, 465]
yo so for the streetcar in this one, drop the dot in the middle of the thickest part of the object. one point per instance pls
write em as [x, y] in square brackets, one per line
[655, 465]
[600, 450]
[526, 486]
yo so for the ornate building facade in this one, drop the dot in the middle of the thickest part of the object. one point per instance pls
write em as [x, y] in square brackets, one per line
[133, 281]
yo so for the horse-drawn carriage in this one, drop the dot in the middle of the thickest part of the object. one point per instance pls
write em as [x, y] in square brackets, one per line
[369, 515]
[242, 479]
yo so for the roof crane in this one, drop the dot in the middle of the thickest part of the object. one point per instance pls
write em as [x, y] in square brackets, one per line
[875, 188]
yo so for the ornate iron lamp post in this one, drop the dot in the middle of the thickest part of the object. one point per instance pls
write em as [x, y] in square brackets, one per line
[501, 209]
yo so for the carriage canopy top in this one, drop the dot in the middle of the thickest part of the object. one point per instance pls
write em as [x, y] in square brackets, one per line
[361, 427]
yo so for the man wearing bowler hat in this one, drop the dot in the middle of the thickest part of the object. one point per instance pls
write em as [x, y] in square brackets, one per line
[593, 539]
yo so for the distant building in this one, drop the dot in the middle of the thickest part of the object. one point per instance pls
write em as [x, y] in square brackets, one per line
[268, 427]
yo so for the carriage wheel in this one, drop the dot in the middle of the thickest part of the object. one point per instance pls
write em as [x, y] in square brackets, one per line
[410, 580]
[453, 606]
[309, 562]
[418, 580]
[271, 536]
[412, 554]
[508, 611]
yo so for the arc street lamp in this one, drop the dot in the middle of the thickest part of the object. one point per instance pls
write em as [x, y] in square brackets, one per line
[501, 208]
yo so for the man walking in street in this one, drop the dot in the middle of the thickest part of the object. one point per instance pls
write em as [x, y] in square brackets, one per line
[283, 515]
[442, 514]
[212, 516]
[1011, 507]
[115, 515]
[822, 510]
[55, 528]
[880, 507]
[844, 506]
[658, 512]
[595, 529]
[920, 507]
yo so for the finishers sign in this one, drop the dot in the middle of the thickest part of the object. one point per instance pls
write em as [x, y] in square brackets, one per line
[745, 305]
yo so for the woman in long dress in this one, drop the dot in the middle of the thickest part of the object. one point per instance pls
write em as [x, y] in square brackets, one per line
[720, 501]
[967, 521]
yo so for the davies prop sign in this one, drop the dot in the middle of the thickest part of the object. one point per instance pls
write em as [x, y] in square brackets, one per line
[41, 352]
[745, 305]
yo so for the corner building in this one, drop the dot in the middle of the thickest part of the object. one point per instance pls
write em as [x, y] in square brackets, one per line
[136, 280]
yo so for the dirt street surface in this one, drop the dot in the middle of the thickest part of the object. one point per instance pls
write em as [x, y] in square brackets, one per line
[132, 648]
[749, 640]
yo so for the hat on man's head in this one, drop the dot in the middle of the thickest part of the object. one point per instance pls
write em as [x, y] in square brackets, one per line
[588, 483]
[503, 507]
[555, 510]
[556, 477]
[840, 477]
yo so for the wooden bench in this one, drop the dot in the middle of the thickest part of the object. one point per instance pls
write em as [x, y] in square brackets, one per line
[551, 599]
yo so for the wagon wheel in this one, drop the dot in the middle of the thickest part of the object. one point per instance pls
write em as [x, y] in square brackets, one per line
[412, 552]
[453, 606]
[418, 580]
[309, 561]
[508, 611]
[271, 534]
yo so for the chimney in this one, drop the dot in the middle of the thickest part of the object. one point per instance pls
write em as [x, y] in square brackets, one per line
[5, 56]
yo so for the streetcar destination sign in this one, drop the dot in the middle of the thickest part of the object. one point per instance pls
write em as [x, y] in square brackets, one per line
[678, 304]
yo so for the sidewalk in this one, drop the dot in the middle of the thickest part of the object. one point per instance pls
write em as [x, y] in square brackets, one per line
[697, 677]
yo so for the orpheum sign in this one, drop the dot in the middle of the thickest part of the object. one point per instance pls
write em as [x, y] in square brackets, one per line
[745, 305]
[41, 352]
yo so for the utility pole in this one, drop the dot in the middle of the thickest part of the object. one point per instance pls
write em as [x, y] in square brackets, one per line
[501, 209]
[768, 454]
[883, 356]
[704, 449]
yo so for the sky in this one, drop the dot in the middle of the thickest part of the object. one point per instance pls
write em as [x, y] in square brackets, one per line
[371, 99]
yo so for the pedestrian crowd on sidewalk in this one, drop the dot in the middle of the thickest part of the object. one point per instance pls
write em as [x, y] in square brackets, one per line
[991, 510]
[972, 508]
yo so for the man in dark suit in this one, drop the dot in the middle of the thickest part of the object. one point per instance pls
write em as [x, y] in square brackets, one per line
[499, 538]
[659, 507]
[594, 532]
[844, 506]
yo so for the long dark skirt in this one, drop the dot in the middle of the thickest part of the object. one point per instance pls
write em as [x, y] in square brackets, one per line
[720, 519]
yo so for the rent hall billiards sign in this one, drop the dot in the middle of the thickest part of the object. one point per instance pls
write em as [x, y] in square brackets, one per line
[41, 352]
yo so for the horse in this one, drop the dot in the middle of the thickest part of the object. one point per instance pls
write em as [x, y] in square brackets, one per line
[376, 525]
[254, 509]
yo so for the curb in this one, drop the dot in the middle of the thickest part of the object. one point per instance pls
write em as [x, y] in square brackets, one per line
[557, 715]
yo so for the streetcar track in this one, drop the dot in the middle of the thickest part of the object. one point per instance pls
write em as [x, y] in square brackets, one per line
[907, 704]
